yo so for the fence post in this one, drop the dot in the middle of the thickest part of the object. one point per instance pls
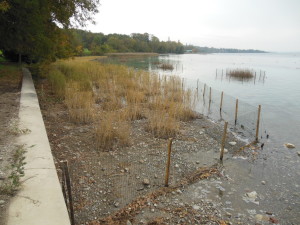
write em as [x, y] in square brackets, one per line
[223, 141]
[209, 94]
[236, 111]
[168, 163]
[221, 103]
[65, 168]
[257, 123]
[204, 90]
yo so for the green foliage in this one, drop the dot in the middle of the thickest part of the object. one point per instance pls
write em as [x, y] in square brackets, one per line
[4, 6]
[99, 44]
[86, 52]
[31, 27]
[17, 171]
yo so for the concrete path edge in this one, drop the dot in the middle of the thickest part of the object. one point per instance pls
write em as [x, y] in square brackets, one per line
[40, 200]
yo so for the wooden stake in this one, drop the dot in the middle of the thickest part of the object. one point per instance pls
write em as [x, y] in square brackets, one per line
[236, 111]
[257, 123]
[223, 141]
[221, 103]
[68, 183]
[168, 163]
[204, 90]
[209, 94]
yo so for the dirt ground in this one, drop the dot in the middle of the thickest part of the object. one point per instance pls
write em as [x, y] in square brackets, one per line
[9, 109]
[126, 185]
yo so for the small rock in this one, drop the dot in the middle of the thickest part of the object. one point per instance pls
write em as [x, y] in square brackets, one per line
[117, 204]
[260, 217]
[263, 182]
[2, 202]
[155, 176]
[225, 150]
[252, 195]
[196, 207]
[298, 153]
[128, 222]
[122, 171]
[152, 210]
[228, 214]
[1, 158]
[176, 165]
[126, 170]
[2, 175]
[179, 192]
[289, 145]
[197, 162]
[146, 181]
[232, 143]
[81, 181]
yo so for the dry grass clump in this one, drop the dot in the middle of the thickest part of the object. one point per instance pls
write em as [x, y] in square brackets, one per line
[58, 82]
[111, 96]
[162, 125]
[241, 73]
[111, 130]
[80, 103]
[165, 66]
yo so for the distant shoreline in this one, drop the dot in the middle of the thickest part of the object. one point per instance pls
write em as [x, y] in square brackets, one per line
[132, 54]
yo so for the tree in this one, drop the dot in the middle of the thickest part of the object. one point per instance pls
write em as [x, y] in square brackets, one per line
[38, 28]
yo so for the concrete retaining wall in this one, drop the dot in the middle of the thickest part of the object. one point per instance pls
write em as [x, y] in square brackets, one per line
[40, 200]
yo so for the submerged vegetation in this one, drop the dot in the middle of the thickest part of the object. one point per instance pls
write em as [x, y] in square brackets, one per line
[112, 97]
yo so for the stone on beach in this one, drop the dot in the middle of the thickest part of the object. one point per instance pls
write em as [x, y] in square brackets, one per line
[289, 145]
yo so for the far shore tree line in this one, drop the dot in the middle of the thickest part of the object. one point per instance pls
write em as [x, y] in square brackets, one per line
[89, 43]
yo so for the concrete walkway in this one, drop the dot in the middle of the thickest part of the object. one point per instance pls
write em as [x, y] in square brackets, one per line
[40, 200]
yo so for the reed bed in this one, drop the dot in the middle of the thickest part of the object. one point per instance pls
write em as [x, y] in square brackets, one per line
[241, 73]
[111, 97]
[165, 66]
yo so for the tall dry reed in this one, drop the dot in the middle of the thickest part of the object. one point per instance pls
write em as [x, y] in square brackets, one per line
[111, 96]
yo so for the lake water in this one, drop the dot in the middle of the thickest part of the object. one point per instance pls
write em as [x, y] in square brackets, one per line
[276, 88]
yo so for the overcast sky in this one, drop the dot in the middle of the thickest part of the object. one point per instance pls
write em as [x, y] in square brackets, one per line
[271, 25]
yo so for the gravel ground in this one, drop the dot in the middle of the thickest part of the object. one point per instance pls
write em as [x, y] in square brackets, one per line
[9, 109]
[126, 185]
